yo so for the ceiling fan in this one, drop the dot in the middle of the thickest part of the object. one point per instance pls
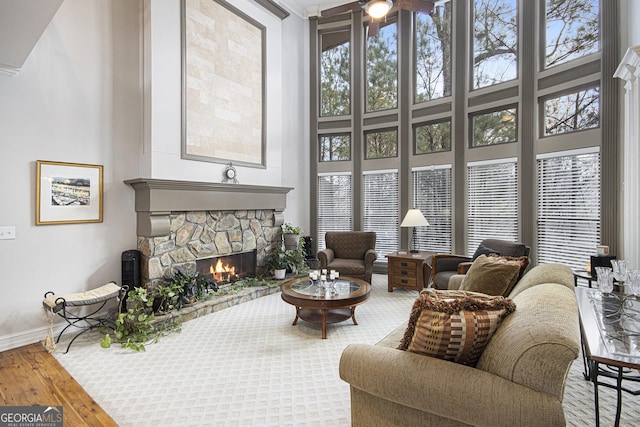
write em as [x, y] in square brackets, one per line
[378, 9]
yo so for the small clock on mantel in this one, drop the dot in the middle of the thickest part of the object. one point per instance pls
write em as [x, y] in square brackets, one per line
[230, 174]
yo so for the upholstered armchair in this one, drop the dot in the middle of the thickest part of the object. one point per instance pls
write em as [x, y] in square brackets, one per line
[351, 253]
[444, 266]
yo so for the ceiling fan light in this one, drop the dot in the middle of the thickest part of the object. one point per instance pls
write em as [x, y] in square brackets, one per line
[378, 8]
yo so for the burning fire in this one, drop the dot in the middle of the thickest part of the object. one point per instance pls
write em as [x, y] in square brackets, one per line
[222, 272]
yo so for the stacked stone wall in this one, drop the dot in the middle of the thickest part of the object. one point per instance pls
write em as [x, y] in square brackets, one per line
[204, 234]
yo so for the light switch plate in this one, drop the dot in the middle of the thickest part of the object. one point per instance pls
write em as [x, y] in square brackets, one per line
[7, 232]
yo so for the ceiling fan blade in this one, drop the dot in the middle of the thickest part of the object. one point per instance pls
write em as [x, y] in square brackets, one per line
[372, 28]
[341, 9]
[425, 6]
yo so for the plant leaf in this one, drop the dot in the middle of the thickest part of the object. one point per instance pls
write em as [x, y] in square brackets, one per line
[106, 341]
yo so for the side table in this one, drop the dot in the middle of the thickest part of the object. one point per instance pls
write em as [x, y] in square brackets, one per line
[407, 270]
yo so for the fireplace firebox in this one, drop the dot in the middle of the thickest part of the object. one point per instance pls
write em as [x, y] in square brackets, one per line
[228, 268]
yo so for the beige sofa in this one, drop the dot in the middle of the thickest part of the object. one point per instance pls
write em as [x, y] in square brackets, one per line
[519, 380]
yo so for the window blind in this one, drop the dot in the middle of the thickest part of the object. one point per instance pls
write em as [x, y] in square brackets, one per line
[568, 207]
[334, 205]
[432, 195]
[492, 201]
[381, 209]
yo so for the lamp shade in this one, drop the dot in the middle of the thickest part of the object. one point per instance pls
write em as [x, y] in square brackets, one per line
[378, 8]
[414, 218]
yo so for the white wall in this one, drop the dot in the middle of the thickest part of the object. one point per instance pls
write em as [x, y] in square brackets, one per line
[295, 120]
[76, 99]
[79, 98]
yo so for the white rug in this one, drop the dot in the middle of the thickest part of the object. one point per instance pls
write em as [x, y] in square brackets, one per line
[242, 366]
[248, 366]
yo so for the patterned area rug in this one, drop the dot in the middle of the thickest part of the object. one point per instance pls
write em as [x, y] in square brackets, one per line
[248, 366]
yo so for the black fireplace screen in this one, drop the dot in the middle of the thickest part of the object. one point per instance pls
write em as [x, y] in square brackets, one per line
[228, 268]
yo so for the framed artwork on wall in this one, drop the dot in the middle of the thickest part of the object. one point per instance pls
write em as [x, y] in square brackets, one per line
[223, 84]
[68, 193]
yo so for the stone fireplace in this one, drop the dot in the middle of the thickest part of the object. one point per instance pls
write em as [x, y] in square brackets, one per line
[181, 223]
[228, 268]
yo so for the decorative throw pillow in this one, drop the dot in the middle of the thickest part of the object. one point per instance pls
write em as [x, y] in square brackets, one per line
[494, 275]
[483, 250]
[454, 325]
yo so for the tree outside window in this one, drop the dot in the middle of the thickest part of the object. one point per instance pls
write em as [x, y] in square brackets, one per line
[380, 144]
[433, 137]
[496, 127]
[335, 148]
[573, 112]
[495, 42]
[335, 63]
[433, 53]
[571, 30]
[382, 67]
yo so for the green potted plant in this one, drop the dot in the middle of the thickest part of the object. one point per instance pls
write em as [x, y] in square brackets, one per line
[277, 263]
[291, 236]
[166, 296]
[136, 327]
[190, 287]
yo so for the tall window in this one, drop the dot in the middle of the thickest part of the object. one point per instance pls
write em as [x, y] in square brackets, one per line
[493, 202]
[432, 195]
[433, 54]
[571, 30]
[495, 42]
[335, 63]
[334, 205]
[382, 67]
[489, 90]
[381, 211]
[572, 112]
[568, 207]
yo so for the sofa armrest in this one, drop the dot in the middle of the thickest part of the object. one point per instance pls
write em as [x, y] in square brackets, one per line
[447, 262]
[325, 256]
[446, 389]
[370, 256]
[463, 267]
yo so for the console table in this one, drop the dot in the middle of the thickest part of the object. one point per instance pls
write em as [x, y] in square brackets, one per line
[610, 343]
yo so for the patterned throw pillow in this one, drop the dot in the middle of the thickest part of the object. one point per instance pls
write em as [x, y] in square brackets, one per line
[454, 325]
[494, 275]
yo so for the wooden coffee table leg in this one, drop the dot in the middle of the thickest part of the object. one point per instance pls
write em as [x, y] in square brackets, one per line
[295, 321]
[324, 324]
[353, 315]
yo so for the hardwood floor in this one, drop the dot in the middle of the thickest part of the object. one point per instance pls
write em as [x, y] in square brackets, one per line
[31, 376]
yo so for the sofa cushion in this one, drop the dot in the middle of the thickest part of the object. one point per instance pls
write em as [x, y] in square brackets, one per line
[347, 267]
[494, 275]
[454, 325]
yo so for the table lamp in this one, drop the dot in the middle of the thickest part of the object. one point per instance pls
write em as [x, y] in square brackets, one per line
[414, 218]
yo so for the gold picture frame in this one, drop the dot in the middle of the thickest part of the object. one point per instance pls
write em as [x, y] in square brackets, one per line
[68, 193]
[223, 84]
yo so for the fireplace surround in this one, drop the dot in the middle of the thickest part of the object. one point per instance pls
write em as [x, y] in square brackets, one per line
[181, 222]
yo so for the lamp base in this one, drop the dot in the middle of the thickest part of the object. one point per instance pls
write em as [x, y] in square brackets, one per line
[414, 251]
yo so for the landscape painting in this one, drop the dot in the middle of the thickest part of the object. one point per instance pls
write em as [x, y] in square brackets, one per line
[68, 193]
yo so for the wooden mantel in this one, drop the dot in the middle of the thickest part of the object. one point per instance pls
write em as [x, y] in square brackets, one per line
[157, 198]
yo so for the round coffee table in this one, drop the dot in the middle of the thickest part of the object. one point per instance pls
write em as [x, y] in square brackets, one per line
[315, 303]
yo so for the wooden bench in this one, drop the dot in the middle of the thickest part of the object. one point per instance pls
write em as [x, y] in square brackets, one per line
[69, 307]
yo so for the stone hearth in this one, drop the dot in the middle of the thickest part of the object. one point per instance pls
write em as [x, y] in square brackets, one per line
[179, 222]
